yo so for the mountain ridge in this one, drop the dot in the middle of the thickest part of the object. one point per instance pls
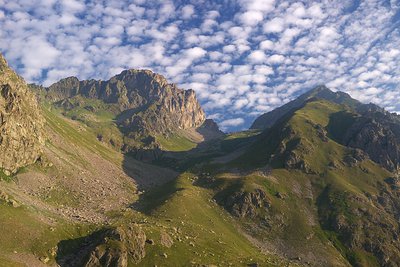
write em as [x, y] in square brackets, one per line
[266, 120]
[133, 89]
[144, 106]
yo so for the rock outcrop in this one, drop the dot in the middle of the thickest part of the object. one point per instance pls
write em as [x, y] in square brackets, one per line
[147, 102]
[246, 204]
[379, 139]
[113, 247]
[21, 123]
[372, 130]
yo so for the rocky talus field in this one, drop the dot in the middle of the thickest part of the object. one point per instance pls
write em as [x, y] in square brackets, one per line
[129, 172]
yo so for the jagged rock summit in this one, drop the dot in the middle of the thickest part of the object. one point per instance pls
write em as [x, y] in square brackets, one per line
[146, 101]
[21, 123]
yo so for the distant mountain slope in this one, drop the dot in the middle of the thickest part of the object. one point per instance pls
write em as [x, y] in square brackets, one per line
[21, 123]
[300, 183]
[364, 126]
[322, 92]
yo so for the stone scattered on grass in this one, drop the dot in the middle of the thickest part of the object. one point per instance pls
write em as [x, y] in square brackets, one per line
[166, 240]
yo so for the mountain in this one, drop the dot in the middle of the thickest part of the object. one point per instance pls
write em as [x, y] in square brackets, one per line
[170, 108]
[134, 175]
[146, 109]
[364, 126]
[322, 92]
[21, 123]
[324, 173]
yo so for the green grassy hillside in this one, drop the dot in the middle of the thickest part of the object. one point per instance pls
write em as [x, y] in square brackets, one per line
[42, 230]
[294, 196]
[314, 190]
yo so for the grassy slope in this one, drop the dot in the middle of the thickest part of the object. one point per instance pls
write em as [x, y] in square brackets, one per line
[29, 230]
[175, 143]
[208, 234]
[24, 232]
[179, 204]
[236, 140]
[299, 208]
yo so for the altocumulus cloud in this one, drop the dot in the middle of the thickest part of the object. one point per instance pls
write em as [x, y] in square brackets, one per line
[243, 57]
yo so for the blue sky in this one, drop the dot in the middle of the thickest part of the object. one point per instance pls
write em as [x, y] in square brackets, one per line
[242, 57]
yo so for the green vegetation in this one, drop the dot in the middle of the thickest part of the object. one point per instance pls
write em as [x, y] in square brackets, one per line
[339, 122]
[175, 143]
[296, 193]
[24, 231]
[203, 233]
[236, 140]
[308, 173]
[5, 177]
[80, 135]
[95, 114]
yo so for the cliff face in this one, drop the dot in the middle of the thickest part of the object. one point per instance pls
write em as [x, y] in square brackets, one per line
[146, 100]
[21, 124]
[375, 131]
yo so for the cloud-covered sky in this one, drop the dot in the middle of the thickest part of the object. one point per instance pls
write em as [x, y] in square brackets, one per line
[243, 57]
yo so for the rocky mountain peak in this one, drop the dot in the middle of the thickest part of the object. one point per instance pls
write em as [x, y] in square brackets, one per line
[147, 102]
[21, 123]
[3, 62]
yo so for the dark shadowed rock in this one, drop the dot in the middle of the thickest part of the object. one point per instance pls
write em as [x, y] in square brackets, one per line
[210, 130]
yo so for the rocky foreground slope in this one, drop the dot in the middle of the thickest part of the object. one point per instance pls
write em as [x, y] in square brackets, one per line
[21, 123]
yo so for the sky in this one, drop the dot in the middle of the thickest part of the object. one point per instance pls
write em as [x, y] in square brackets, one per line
[242, 57]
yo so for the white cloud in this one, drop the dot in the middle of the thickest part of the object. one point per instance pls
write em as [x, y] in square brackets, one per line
[251, 18]
[195, 52]
[232, 122]
[276, 59]
[266, 45]
[264, 70]
[259, 5]
[187, 11]
[72, 5]
[257, 56]
[241, 59]
[275, 25]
